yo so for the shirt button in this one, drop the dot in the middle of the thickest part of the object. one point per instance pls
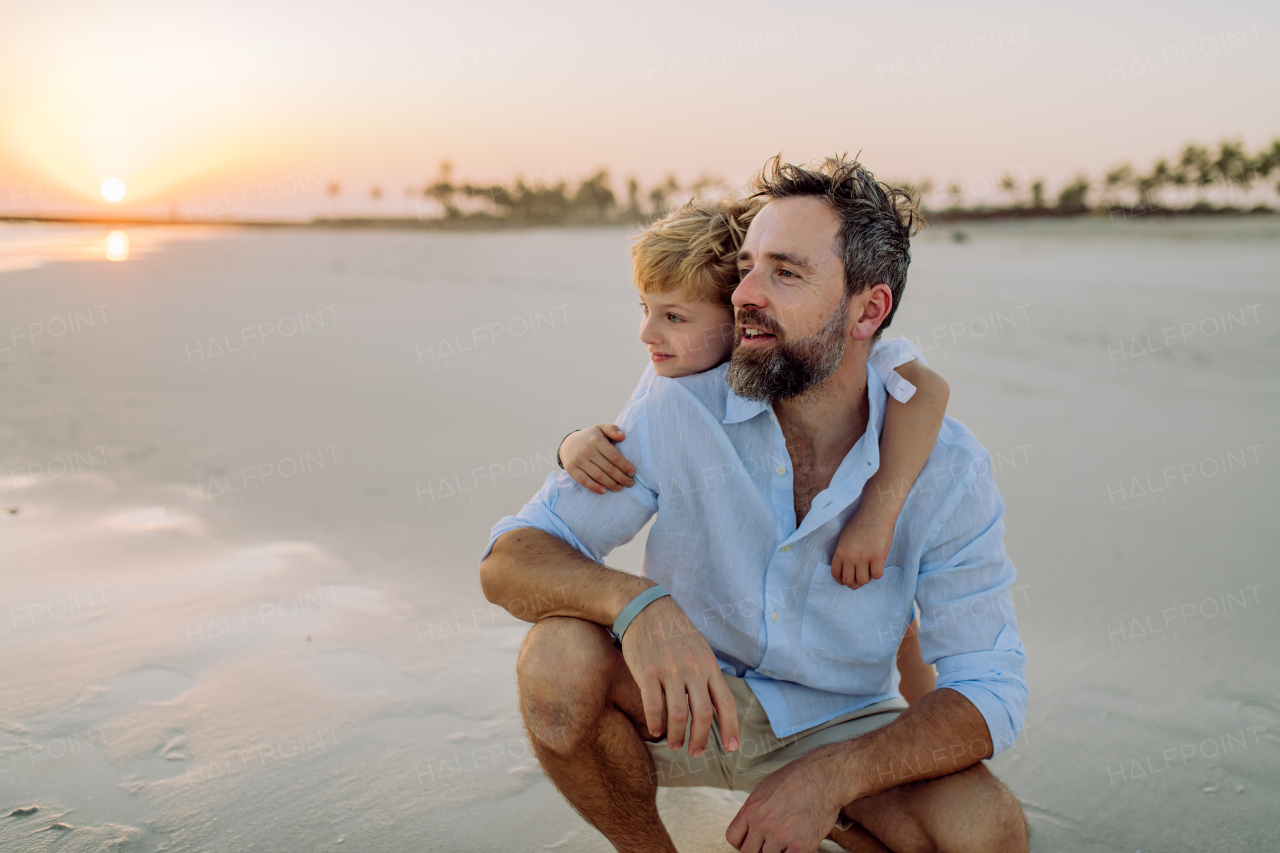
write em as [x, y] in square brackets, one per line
[786, 548]
[773, 417]
[780, 470]
[766, 672]
[775, 616]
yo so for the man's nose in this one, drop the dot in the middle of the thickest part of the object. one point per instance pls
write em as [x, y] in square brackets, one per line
[747, 293]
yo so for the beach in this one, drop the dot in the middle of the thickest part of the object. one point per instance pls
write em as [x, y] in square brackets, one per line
[246, 476]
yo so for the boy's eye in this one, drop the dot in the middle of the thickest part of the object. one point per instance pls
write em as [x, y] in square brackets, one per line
[675, 318]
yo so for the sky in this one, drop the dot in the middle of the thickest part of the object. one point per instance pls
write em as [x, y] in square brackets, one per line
[253, 108]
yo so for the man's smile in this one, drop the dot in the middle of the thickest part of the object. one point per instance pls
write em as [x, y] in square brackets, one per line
[754, 336]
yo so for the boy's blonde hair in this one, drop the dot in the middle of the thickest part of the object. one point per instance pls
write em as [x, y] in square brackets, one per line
[695, 249]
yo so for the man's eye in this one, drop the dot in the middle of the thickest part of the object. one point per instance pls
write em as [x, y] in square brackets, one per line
[742, 273]
[786, 273]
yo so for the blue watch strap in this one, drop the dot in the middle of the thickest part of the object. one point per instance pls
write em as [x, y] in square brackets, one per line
[632, 610]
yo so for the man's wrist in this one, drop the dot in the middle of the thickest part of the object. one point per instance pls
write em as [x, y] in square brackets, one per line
[634, 608]
[846, 772]
[623, 595]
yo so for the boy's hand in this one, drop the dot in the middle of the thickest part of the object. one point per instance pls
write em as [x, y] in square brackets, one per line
[590, 458]
[864, 544]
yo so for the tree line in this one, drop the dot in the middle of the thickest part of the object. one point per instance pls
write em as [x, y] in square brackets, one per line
[1199, 178]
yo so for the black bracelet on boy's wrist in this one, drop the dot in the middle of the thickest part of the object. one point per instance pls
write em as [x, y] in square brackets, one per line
[558, 462]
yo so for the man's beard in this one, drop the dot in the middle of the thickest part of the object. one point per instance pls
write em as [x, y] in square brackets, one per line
[788, 368]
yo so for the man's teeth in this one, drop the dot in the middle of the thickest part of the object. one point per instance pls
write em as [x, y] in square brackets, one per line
[752, 333]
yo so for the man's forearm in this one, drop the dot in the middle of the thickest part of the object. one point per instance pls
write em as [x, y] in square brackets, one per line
[533, 574]
[942, 733]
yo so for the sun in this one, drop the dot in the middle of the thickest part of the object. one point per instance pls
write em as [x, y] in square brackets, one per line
[113, 189]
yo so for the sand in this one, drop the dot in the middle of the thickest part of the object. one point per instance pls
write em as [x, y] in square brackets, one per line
[245, 477]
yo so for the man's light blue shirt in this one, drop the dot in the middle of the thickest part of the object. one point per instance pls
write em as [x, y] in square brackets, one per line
[714, 468]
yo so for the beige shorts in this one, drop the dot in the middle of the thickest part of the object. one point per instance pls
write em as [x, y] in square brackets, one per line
[759, 753]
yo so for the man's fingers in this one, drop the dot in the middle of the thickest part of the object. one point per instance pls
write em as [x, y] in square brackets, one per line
[737, 831]
[677, 713]
[726, 710]
[700, 710]
[651, 698]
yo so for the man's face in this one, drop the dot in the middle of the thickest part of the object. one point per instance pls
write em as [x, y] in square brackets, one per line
[792, 316]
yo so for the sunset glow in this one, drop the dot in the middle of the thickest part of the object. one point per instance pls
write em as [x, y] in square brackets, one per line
[213, 119]
[113, 189]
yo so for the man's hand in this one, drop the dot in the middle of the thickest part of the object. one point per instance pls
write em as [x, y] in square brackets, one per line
[677, 673]
[791, 810]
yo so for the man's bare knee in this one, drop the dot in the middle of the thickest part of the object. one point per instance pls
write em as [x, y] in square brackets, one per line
[966, 812]
[564, 673]
[1012, 833]
[1001, 827]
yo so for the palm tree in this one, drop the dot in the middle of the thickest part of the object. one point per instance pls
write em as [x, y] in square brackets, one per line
[442, 191]
[594, 196]
[1072, 197]
[1037, 195]
[659, 195]
[632, 213]
[333, 190]
[1009, 185]
[1120, 176]
[1265, 162]
[1161, 176]
[1232, 167]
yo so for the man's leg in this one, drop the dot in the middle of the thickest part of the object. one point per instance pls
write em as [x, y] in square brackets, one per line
[580, 707]
[966, 812]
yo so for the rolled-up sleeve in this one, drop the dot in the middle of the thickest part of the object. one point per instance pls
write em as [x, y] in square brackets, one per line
[967, 624]
[888, 355]
[594, 524]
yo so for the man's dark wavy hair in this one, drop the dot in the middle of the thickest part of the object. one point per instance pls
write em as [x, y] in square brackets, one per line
[877, 221]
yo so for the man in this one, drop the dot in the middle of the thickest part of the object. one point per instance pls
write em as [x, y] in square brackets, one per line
[759, 670]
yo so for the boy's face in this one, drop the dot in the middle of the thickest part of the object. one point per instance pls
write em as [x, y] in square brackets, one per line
[685, 337]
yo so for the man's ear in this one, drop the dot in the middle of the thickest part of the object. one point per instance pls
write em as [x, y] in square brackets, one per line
[869, 309]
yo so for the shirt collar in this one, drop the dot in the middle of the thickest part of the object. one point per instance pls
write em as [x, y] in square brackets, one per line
[738, 409]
